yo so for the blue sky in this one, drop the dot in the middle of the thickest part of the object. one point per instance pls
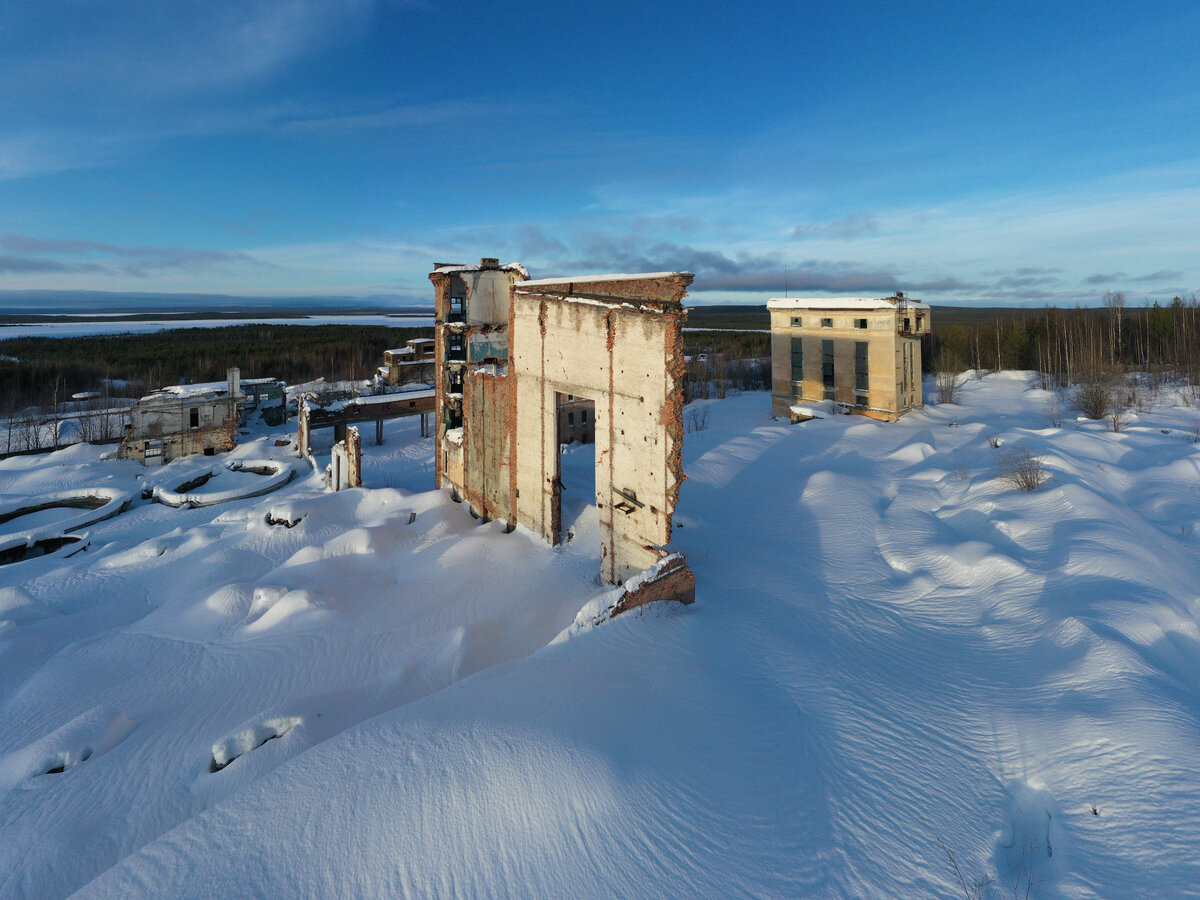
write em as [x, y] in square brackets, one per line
[998, 153]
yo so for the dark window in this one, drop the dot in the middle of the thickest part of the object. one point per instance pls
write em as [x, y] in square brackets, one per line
[860, 323]
[583, 416]
[827, 323]
[797, 359]
[797, 321]
[195, 418]
[827, 364]
[570, 418]
[907, 324]
[861, 376]
[861, 399]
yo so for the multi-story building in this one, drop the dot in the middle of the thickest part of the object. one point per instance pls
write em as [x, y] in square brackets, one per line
[411, 364]
[863, 353]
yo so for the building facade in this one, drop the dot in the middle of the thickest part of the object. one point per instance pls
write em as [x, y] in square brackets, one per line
[862, 353]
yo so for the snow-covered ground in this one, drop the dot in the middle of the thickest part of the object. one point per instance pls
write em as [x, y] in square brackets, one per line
[891, 650]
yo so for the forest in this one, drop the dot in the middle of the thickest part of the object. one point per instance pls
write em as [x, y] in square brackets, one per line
[45, 371]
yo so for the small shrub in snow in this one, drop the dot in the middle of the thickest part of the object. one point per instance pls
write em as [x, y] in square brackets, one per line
[948, 377]
[993, 441]
[1194, 434]
[962, 473]
[1095, 394]
[1054, 412]
[1021, 469]
[696, 419]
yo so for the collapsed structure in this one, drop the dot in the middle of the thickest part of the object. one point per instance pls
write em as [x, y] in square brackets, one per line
[412, 363]
[184, 419]
[861, 352]
[510, 351]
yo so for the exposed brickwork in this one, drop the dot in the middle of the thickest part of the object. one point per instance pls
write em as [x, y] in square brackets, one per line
[674, 581]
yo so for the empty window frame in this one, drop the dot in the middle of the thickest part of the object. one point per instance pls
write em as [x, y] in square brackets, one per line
[797, 322]
[827, 367]
[194, 417]
[827, 323]
[797, 359]
[862, 378]
[860, 323]
[583, 416]
[861, 400]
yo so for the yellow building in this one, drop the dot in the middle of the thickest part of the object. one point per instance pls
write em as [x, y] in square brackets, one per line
[863, 353]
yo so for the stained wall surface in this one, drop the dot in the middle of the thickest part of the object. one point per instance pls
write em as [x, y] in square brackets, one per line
[627, 357]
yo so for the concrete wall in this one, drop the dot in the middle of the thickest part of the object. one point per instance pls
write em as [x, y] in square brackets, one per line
[628, 359]
[618, 342]
[345, 464]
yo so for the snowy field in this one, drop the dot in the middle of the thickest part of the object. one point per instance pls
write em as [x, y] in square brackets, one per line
[891, 650]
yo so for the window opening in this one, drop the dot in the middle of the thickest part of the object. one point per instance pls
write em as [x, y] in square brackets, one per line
[861, 370]
[797, 359]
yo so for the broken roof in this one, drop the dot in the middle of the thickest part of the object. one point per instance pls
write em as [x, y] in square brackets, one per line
[586, 279]
[477, 267]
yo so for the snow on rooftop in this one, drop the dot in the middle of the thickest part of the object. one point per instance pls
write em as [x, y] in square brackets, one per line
[476, 267]
[843, 303]
[588, 279]
[194, 390]
[400, 351]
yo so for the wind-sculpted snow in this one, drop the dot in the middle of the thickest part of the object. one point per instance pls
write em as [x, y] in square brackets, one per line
[892, 649]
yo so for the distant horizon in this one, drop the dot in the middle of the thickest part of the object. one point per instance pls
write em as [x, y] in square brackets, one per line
[84, 303]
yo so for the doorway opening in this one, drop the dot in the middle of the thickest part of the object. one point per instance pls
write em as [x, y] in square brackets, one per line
[575, 418]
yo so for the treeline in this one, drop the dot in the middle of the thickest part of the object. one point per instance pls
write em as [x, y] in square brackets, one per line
[724, 362]
[1067, 344]
[38, 371]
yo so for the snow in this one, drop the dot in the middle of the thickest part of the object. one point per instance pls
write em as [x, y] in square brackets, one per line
[589, 279]
[394, 396]
[890, 647]
[844, 303]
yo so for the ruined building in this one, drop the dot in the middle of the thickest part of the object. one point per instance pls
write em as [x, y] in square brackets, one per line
[861, 352]
[412, 363]
[184, 419]
[511, 350]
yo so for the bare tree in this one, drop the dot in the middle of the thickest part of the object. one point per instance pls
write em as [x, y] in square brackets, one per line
[947, 371]
[1115, 302]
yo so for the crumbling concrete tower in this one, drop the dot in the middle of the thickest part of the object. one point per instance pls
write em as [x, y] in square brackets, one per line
[506, 357]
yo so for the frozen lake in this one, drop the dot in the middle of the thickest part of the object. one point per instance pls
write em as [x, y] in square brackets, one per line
[122, 326]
